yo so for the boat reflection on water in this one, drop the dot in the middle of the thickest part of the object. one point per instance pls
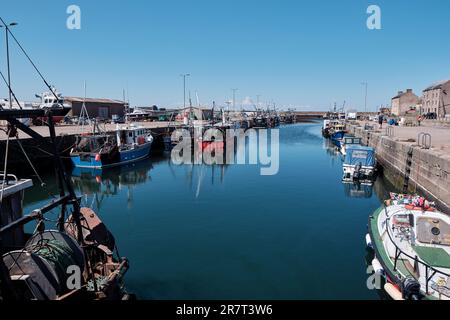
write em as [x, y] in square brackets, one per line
[104, 183]
[358, 190]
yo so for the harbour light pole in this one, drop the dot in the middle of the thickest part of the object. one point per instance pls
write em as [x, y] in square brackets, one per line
[7, 26]
[234, 98]
[365, 84]
[185, 75]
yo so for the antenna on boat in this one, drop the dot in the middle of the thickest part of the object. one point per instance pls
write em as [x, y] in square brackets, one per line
[84, 115]
[198, 100]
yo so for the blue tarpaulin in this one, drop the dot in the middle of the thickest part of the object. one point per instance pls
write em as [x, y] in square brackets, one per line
[360, 155]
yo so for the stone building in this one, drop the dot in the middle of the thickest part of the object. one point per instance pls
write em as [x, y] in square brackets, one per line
[436, 98]
[403, 102]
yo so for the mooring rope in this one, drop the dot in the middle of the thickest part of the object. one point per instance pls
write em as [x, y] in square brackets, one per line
[31, 164]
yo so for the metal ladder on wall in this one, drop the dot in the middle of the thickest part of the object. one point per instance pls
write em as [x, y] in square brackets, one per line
[407, 177]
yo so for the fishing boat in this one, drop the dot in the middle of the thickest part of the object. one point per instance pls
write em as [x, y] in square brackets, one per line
[130, 143]
[337, 132]
[260, 122]
[70, 256]
[76, 259]
[359, 164]
[138, 115]
[347, 142]
[411, 242]
[52, 99]
[327, 124]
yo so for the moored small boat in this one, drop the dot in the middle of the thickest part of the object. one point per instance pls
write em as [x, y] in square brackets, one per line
[347, 142]
[337, 133]
[130, 143]
[411, 241]
[359, 164]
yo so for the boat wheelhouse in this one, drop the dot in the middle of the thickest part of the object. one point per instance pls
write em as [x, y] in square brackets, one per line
[53, 100]
[328, 125]
[11, 209]
[260, 122]
[337, 132]
[411, 241]
[359, 164]
[349, 141]
[130, 143]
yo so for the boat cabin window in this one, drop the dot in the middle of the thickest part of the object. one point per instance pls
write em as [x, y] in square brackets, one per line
[360, 154]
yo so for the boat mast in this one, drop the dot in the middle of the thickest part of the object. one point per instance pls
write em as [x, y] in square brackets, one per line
[84, 115]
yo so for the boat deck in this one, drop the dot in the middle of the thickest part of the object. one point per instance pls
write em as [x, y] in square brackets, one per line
[433, 253]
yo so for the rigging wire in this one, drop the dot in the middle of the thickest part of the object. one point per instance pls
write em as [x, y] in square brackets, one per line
[9, 87]
[5, 177]
[29, 59]
[43, 184]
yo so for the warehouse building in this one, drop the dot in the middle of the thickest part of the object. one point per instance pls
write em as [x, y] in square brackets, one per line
[97, 108]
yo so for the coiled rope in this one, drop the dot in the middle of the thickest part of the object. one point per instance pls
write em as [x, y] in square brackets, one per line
[58, 254]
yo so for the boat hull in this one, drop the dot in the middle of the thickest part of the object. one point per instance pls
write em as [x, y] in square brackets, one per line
[93, 161]
[394, 268]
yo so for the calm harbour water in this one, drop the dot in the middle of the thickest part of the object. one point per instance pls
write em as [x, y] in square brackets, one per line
[226, 232]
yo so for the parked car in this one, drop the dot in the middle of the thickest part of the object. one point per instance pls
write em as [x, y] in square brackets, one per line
[431, 116]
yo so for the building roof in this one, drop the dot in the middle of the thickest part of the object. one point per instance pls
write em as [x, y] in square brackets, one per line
[437, 85]
[93, 100]
[402, 93]
[196, 108]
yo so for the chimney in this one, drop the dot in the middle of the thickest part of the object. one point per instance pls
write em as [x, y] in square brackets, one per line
[408, 90]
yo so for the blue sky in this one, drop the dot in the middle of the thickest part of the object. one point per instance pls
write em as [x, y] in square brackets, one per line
[296, 53]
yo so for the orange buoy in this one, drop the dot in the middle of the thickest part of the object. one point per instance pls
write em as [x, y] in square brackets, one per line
[393, 292]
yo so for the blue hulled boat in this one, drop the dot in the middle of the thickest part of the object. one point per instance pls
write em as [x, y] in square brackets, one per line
[129, 144]
[359, 164]
[337, 134]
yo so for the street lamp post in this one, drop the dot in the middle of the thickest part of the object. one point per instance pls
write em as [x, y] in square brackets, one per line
[365, 97]
[7, 26]
[234, 98]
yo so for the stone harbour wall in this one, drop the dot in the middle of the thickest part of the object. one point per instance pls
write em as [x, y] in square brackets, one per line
[425, 171]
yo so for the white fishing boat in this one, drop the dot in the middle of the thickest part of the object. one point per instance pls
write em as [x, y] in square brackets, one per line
[53, 100]
[359, 164]
[411, 241]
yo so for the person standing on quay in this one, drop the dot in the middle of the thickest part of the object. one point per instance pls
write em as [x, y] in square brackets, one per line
[381, 120]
